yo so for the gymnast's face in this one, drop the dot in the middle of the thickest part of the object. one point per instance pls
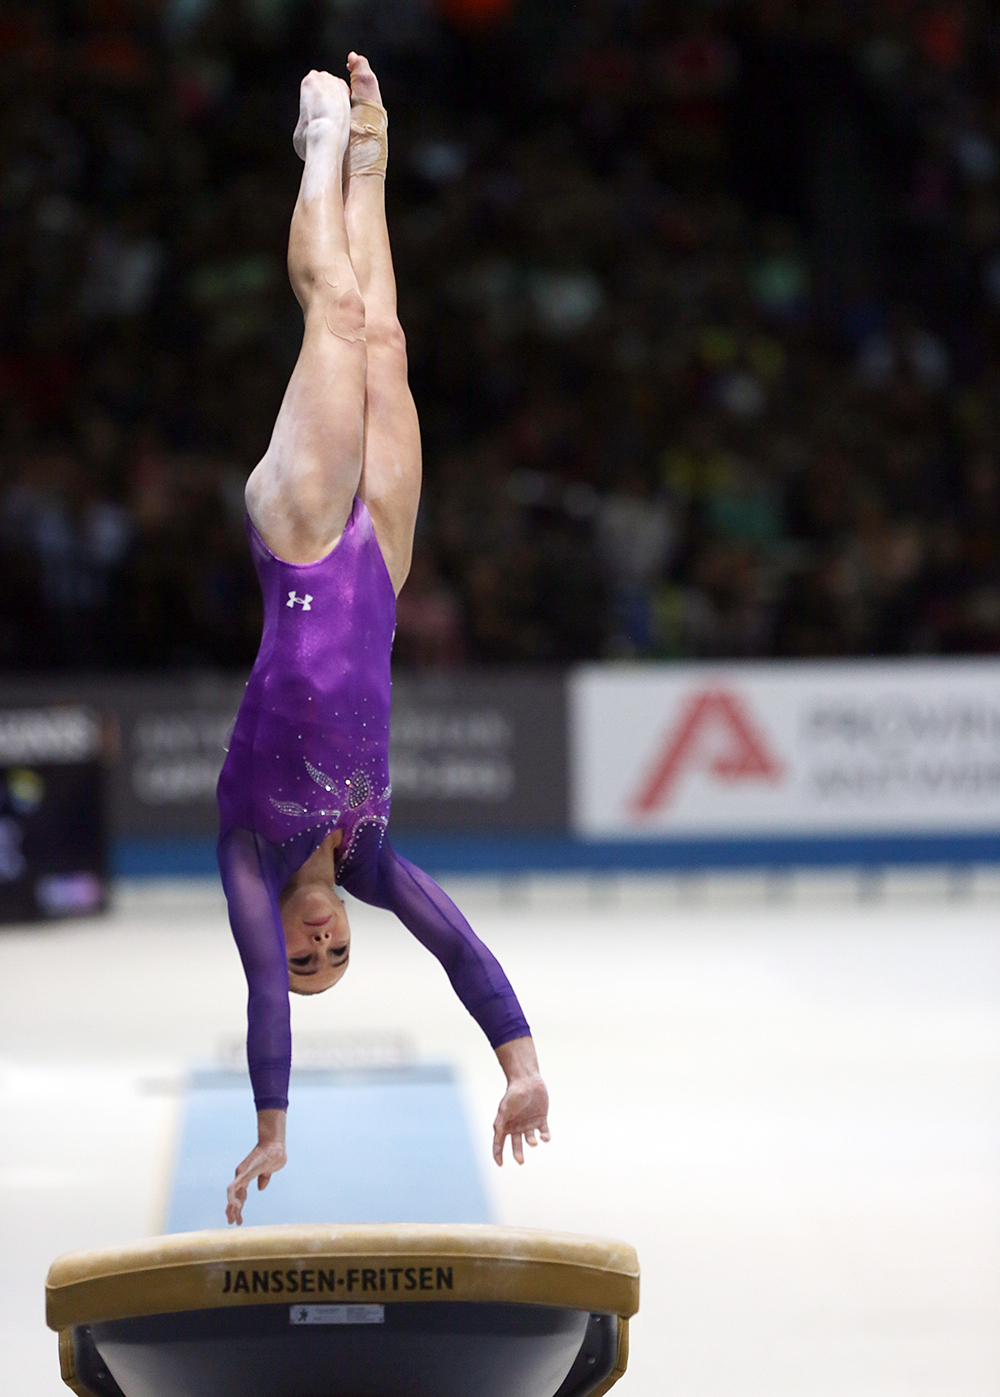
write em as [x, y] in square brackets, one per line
[317, 936]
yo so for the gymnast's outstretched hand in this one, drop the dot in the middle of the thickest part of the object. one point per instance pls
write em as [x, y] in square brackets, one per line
[525, 1106]
[265, 1159]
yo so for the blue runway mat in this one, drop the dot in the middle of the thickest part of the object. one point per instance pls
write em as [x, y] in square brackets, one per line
[387, 1145]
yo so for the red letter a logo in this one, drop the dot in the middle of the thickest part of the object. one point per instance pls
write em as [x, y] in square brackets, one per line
[744, 754]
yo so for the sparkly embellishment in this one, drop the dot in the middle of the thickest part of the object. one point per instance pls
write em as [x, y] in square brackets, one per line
[289, 807]
[387, 793]
[320, 777]
[379, 821]
[361, 789]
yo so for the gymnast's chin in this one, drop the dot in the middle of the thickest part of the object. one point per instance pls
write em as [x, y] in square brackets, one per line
[317, 934]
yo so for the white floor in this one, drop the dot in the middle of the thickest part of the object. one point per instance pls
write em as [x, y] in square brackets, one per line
[791, 1108]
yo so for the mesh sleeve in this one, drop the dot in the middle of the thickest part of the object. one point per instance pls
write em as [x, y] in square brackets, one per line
[426, 910]
[250, 882]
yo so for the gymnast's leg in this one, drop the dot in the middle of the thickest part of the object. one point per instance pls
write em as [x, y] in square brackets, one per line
[390, 478]
[300, 495]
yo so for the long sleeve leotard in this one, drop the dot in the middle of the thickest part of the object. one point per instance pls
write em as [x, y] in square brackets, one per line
[308, 755]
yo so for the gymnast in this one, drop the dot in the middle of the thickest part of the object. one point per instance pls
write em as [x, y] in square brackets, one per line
[331, 508]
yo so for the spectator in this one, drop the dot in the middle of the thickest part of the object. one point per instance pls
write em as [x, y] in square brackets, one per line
[704, 326]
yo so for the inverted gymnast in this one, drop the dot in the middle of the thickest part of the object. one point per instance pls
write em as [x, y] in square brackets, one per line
[304, 791]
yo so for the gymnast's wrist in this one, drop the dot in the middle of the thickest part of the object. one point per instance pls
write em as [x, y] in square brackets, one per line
[271, 1127]
[518, 1059]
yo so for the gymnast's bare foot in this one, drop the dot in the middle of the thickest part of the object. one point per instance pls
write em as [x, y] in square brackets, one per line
[324, 111]
[364, 83]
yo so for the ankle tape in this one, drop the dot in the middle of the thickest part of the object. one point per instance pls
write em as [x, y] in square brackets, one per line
[368, 147]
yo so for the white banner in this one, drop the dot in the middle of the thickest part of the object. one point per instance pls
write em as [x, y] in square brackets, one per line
[785, 749]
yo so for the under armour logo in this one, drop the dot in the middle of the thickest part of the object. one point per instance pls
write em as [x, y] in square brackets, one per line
[304, 602]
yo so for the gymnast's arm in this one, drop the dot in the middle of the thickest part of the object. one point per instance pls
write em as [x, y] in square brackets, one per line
[251, 895]
[476, 977]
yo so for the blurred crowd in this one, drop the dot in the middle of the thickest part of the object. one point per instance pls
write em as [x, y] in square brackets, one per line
[702, 303]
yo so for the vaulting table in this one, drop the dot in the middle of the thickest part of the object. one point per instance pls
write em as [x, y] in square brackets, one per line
[396, 1310]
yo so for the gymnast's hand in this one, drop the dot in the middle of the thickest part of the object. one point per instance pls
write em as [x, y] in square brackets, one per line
[265, 1159]
[525, 1105]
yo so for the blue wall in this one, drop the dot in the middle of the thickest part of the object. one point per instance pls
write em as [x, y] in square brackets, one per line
[547, 853]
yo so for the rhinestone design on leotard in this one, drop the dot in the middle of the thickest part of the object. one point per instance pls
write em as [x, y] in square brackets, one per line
[358, 791]
[320, 777]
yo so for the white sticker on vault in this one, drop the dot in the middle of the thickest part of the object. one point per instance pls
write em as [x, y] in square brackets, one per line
[336, 1314]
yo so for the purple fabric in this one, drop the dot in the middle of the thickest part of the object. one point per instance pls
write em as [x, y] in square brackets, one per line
[385, 879]
[252, 881]
[309, 753]
[310, 749]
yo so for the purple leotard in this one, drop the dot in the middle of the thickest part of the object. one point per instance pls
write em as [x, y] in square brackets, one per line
[309, 754]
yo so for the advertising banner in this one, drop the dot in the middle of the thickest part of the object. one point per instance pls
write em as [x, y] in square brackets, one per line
[169, 743]
[714, 750]
[52, 838]
[173, 743]
[470, 751]
[479, 752]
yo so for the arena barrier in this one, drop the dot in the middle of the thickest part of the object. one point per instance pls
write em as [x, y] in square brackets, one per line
[401, 1310]
[640, 767]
